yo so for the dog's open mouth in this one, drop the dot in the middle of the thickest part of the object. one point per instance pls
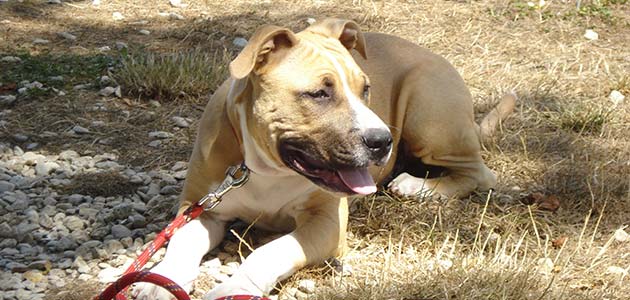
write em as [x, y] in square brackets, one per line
[350, 180]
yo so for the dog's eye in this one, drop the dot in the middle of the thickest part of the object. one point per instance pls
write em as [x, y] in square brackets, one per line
[318, 95]
[366, 91]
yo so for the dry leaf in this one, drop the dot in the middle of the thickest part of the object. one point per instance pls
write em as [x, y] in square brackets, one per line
[532, 198]
[8, 87]
[559, 242]
[550, 203]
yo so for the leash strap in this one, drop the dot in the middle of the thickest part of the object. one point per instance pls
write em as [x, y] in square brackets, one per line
[236, 176]
[121, 284]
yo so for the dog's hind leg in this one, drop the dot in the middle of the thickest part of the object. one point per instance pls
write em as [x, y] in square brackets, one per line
[439, 130]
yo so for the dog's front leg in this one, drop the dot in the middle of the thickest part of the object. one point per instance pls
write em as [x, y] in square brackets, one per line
[320, 234]
[183, 256]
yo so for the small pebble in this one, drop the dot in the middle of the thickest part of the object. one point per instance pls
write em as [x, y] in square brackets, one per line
[80, 130]
[591, 35]
[117, 16]
[616, 97]
[107, 91]
[7, 99]
[175, 16]
[67, 36]
[11, 59]
[307, 286]
[160, 134]
[239, 42]
[177, 3]
[39, 41]
[180, 122]
[121, 45]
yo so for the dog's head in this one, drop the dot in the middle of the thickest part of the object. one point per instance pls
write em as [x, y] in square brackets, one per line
[303, 101]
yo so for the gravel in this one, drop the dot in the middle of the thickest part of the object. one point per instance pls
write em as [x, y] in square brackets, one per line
[52, 237]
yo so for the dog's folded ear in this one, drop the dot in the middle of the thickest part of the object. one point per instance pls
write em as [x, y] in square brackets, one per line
[348, 32]
[265, 42]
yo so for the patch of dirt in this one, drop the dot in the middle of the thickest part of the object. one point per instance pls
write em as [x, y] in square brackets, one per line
[104, 184]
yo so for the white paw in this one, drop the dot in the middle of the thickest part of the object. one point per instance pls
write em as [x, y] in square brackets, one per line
[409, 186]
[149, 291]
[236, 285]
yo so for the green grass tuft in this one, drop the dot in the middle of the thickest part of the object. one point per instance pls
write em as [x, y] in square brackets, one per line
[584, 119]
[171, 76]
[73, 68]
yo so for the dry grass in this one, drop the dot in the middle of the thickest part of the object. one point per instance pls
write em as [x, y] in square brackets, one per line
[189, 75]
[565, 139]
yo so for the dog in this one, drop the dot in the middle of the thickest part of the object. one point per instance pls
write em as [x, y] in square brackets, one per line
[319, 116]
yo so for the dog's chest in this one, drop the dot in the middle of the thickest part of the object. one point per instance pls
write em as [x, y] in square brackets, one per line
[267, 201]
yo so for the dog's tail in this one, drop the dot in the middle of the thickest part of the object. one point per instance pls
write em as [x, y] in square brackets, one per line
[492, 120]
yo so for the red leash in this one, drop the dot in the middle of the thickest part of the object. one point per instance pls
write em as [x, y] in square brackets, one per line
[134, 274]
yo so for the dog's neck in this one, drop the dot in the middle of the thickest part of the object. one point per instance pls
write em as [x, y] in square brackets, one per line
[255, 157]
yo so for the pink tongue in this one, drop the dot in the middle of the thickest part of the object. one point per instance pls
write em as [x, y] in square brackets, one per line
[358, 180]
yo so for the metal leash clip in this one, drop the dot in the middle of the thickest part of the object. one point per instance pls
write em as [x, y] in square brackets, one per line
[235, 177]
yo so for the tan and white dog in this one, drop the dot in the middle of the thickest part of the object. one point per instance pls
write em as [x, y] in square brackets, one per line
[317, 116]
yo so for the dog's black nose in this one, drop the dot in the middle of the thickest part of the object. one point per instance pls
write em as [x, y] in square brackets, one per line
[378, 141]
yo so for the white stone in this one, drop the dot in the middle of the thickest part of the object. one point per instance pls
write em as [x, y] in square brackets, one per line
[214, 263]
[82, 86]
[34, 85]
[31, 158]
[121, 45]
[616, 97]
[39, 41]
[67, 36]
[310, 21]
[180, 122]
[617, 271]
[155, 144]
[160, 134]
[545, 265]
[306, 286]
[177, 3]
[175, 16]
[109, 274]
[104, 49]
[155, 104]
[590, 34]
[117, 16]
[11, 59]
[107, 91]
[45, 168]
[118, 92]
[96, 2]
[7, 99]
[144, 32]
[621, 235]
[54, 1]
[80, 129]
[239, 42]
